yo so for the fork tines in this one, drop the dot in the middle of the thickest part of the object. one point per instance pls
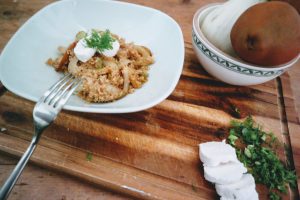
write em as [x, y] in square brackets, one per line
[60, 92]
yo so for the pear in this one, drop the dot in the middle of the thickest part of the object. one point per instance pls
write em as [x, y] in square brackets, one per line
[295, 3]
[267, 34]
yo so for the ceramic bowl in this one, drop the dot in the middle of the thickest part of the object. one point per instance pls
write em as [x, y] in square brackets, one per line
[22, 63]
[225, 67]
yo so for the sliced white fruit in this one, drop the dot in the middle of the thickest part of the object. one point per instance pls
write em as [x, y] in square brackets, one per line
[215, 153]
[243, 189]
[224, 173]
[247, 195]
[228, 190]
[254, 196]
[222, 167]
[224, 198]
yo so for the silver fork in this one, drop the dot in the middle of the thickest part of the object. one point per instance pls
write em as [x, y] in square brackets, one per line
[44, 112]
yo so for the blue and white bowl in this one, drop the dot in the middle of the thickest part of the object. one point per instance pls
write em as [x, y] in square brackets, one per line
[225, 67]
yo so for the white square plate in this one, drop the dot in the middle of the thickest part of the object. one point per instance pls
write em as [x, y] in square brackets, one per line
[22, 62]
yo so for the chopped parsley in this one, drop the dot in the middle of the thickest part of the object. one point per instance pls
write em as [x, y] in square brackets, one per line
[255, 149]
[89, 156]
[100, 41]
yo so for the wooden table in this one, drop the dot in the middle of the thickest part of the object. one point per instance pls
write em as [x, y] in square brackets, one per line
[160, 161]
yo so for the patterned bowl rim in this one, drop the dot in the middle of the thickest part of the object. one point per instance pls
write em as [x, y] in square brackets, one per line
[200, 36]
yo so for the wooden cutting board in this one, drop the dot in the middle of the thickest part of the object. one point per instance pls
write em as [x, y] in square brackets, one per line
[153, 154]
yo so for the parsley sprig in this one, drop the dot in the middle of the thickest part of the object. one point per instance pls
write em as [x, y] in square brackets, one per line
[255, 148]
[89, 156]
[100, 41]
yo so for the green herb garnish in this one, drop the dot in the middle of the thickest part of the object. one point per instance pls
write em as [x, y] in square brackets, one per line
[89, 156]
[254, 149]
[100, 41]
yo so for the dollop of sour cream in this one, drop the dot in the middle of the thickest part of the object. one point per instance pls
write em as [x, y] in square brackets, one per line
[112, 52]
[84, 53]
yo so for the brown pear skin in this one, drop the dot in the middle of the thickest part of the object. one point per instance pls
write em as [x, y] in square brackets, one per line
[267, 34]
[295, 3]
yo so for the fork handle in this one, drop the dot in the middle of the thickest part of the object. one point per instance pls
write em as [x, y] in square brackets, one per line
[12, 179]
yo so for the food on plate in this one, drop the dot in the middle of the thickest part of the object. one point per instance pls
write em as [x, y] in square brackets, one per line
[241, 189]
[267, 34]
[257, 150]
[216, 153]
[222, 168]
[109, 67]
[217, 24]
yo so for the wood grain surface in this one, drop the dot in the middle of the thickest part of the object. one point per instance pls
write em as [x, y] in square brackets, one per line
[151, 154]
[38, 183]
